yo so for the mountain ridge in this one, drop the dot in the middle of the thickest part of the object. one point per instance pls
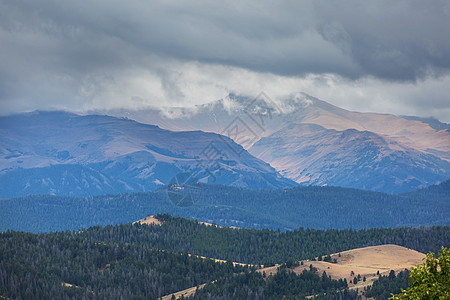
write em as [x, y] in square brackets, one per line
[69, 154]
[423, 150]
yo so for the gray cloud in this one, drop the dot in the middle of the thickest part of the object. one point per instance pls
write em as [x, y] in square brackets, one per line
[70, 54]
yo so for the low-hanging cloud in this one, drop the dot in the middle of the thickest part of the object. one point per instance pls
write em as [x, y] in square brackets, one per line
[81, 54]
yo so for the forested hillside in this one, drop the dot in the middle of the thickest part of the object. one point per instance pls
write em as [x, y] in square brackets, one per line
[38, 266]
[284, 284]
[264, 246]
[313, 207]
[65, 266]
[387, 285]
[143, 261]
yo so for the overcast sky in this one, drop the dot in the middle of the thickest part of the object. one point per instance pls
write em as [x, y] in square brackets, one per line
[383, 56]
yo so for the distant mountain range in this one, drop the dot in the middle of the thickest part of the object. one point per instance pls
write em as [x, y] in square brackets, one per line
[305, 140]
[315, 143]
[63, 153]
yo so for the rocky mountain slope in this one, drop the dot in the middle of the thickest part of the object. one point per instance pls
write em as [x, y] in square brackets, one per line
[313, 142]
[68, 154]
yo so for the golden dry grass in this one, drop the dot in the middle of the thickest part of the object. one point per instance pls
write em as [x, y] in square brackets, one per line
[149, 220]
[220, 260]
[366, 262]
[186, 293]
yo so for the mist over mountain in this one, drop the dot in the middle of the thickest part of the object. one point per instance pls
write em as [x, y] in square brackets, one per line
[315, 143]
[68, 154]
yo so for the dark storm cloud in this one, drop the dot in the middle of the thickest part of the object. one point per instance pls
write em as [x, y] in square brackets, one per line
[54, 48]
[387, 39]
